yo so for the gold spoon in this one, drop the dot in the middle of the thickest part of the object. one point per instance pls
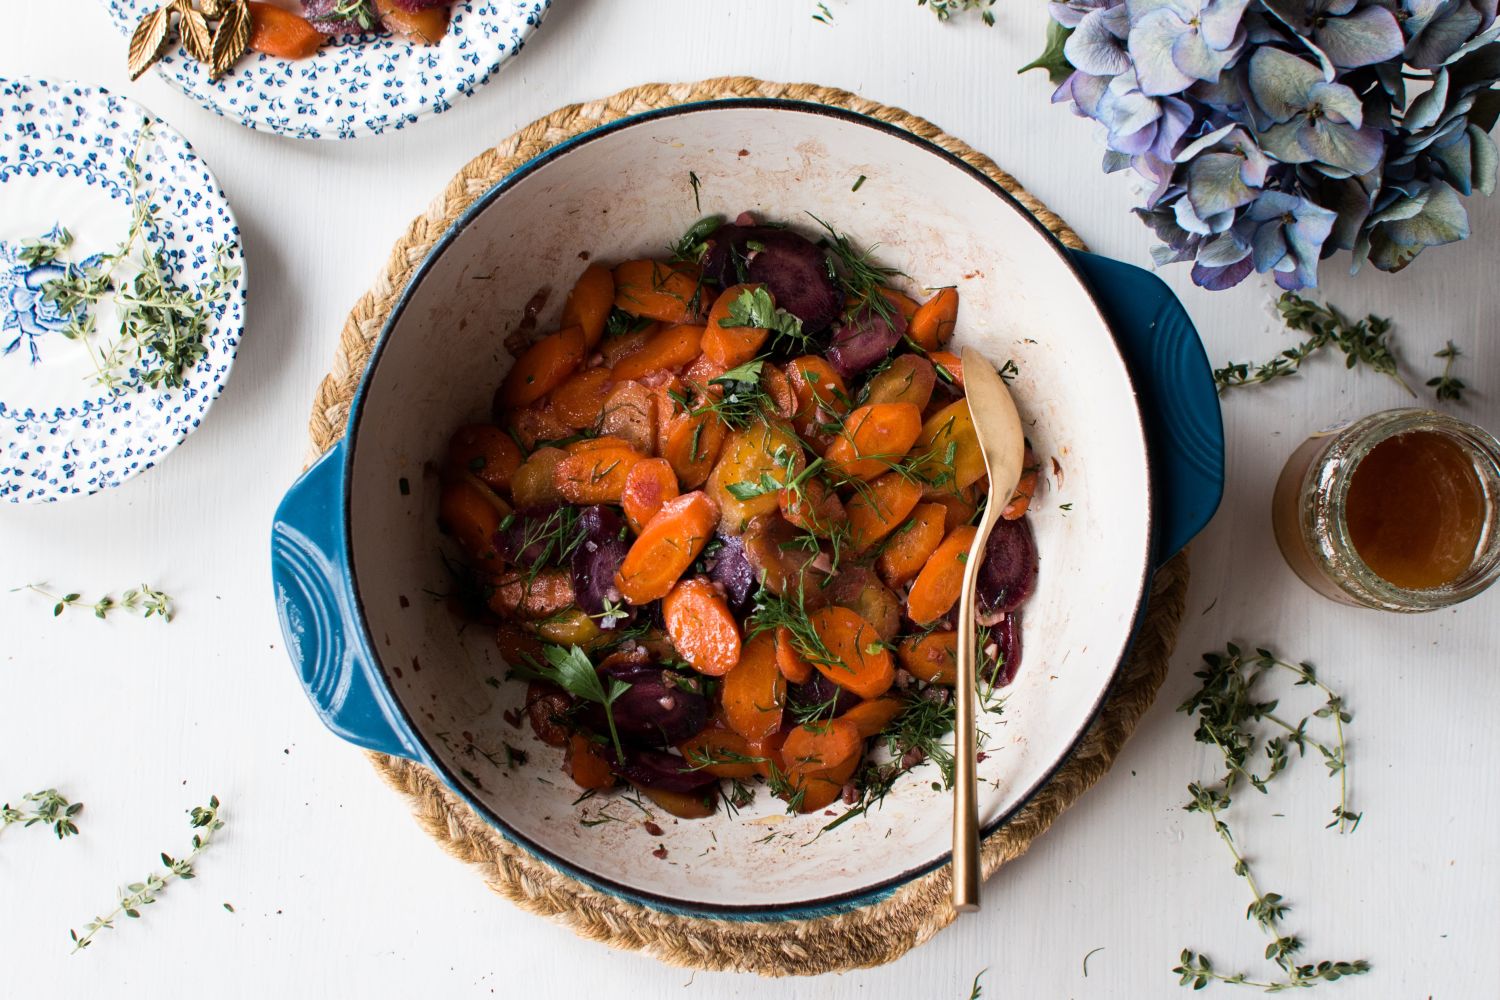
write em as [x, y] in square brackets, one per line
[1003, 444]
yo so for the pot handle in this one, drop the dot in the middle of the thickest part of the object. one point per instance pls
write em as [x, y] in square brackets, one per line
[1179, 404]
[313, 600]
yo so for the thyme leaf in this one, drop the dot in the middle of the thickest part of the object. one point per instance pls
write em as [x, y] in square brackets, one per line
[47, 806]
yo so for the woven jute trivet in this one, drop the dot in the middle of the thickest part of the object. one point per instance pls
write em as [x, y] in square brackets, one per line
[866, 937]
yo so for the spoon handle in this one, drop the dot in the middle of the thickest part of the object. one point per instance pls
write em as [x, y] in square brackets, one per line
[966, 874]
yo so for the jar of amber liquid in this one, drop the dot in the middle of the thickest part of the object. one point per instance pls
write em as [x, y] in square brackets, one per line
[1398, 511]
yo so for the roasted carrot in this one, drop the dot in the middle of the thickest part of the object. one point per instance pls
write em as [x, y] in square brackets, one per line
[470, 516]
[876, 509]
[578, 402]
[648, 485]
[730, 346]
[818, 791]
[909, 379]
[487, 452]
[904, 304]
[589, 303]
[424, 27]
[281, 33]
[723, 753]
[952, 425]
[586, 764]
[671, 293]
[666, 547]
[855, 657]
[874, 437]
[813, 507]
[701, 626]
[790, 662]
[534, 484]
[691, 444]
[908, 549]
[753, 691]
[1025, 489]
[596, 474]
[683, 805]
[960, 506]
[668, 349]
[544, 367]
[932, 325]
[776, 385]
[948, 364]
[871, 717]
[931, 657]
[750, 453]
[768, 750]
[815, 384]
[936, 588]
[820, 758]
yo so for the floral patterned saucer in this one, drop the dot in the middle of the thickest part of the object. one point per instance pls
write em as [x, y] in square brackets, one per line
[354, 86]
[82, 166]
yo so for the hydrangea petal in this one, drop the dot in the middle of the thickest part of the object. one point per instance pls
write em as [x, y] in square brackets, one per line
[1281, 142]
[1216, 279]
[1214, 184]
[1094, 49]
[1222, 250]
[1268, 246]
[1220, 23]
[1366, 37]
[1442, 219]
[1151, 40]
[1457, 161]
[1195, 57]
[1356, 150]
[1280, 81]
[1428, 106]
[1443, 36]
[1337, 100]
[1486, 159]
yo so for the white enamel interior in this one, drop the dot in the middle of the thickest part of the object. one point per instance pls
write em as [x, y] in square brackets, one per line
[624, 194]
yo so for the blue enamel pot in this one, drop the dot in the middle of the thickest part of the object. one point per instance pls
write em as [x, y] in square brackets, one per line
[1113, 385]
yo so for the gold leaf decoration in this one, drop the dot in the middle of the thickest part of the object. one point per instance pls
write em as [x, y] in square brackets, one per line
[193, 27]
[149, 40]
[231, 39]
[213, 9]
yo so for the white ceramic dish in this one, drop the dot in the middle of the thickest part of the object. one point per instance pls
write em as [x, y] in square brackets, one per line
[354, 86]
[356, 547]
[63, 152]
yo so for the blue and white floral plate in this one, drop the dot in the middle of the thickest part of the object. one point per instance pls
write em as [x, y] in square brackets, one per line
[64, 153]
[355, 86]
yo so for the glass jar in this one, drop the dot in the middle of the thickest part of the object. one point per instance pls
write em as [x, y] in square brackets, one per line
[1310, 509]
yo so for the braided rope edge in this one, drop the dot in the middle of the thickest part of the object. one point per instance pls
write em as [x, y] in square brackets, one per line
[863, 938]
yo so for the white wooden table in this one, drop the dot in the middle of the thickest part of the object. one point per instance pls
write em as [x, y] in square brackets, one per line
[335, 890]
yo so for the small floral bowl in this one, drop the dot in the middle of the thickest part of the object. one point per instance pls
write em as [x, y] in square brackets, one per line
[352, 86]
[82, 166]
[1112, 381]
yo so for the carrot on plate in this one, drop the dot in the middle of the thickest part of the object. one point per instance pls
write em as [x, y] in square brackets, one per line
[684, 805]
[908, 550]
[952, 425]
[874, 437]
[723, 753]
[281, 33]
[730, 346]
[950, 367]
[1025, 489]
[485, 451]
[937, 587]
[666, 547]
[690, 442]
[753, 691]
[904, 304]
[648, 485]
[820, 758]
[586, 764]
[545, 366]
[576, 403]
[871, 717]
[671, 293]
[876, 509]
[856, 658]
[932, 325]
[471, 516]
[589, 302]
[701, 626]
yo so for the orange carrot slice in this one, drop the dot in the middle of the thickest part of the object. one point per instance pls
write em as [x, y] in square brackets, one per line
[753, 691]
[589, 303]
[671, 293]
[730, 346]
[648, 485]
[874, 511]
[932, 325]
[874, 437]
[857, 659]
[936, 588]
[909, 549]
[701, 626]
[544, 367]
[666, 547]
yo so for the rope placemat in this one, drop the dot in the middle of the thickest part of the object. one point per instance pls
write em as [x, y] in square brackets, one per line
[870, 936]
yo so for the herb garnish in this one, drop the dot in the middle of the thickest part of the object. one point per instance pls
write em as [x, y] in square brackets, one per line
[163, 325]
[753, 307]
[48, 807]
[856, 273]
[944, 9]
[358, 11]
[1449, 389]
[1363, 343]
[744, 399]
[571, 670]
[1228, 715]
[691, 244]
[144, 599]
[138, 894]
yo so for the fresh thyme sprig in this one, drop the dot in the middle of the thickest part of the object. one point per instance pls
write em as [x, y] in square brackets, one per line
[205, 820]
[44, 250]
[1448, 389]
[1229, 713]
[145, 600]
[358, 11]
[47, 807]
[163, 325]
[823, 15]
[1363, 343]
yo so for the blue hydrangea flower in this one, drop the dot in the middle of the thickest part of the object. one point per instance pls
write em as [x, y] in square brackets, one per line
[1175, 42]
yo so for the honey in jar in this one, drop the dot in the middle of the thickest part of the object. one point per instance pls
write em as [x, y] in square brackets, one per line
[1398, 511]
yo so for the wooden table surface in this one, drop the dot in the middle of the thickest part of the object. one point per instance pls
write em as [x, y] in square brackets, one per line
[335, 890]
